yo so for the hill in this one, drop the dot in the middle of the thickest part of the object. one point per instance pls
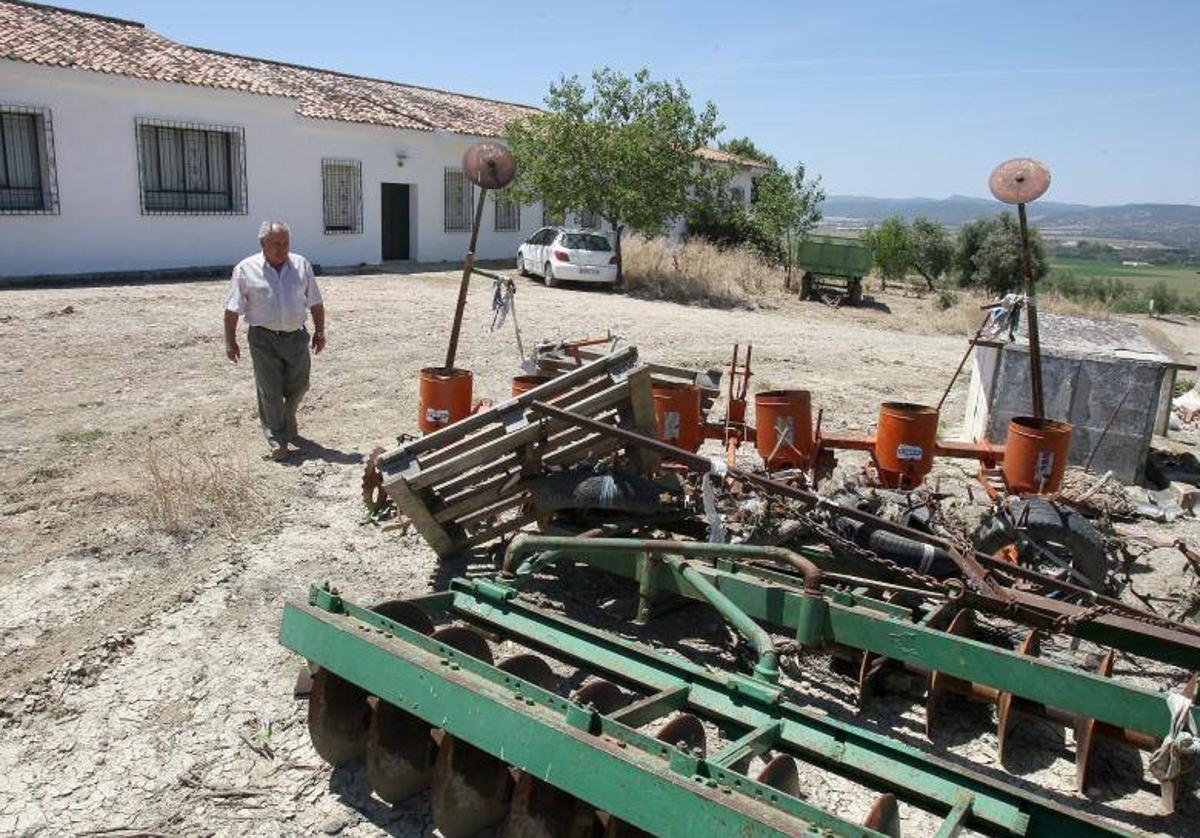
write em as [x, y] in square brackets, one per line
[1176, 225]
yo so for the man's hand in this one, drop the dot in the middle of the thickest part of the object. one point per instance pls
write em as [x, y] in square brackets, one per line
[232, 352]
[318, 342]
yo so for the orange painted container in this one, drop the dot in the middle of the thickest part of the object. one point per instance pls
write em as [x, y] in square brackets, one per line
[524, 383]
[445, 397]
[1035, 455]
[904, 443]
[783, 428]
[677, 414]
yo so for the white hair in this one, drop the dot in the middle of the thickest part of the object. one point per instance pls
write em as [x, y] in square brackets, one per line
[268, 227]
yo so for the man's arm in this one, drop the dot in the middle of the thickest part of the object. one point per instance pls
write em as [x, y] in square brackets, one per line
[318, 338]
[232, 352]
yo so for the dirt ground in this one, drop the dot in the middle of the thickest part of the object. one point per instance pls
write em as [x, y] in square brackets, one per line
[146, 547]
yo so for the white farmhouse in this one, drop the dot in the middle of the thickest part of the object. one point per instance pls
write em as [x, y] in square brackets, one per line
[121, 150]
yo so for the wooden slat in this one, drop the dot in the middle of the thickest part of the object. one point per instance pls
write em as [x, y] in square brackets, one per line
[641, 408]
[466, 522]
[554, 387]
[498, 448]
[497, 531]
[430, 529]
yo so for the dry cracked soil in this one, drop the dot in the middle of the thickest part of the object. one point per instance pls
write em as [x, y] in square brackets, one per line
[146, 547]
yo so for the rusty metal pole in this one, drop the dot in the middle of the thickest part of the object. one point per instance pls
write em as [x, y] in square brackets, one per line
[1035, 346]
[468, 265]
[1019, 181]
[489, 166]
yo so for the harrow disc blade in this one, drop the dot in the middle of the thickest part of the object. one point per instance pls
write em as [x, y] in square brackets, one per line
[406, 614]
[466, 640]
[1004, 701]
[338, 717]
[781, 773]
[963, 625]
[539, 810]
[884, 816]
[686, 729]
[605, 696]
[470, 789]
[529, 667]
[400, 753]
[1085, 730]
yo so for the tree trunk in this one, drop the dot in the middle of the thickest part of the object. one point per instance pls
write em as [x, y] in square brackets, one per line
[928, 279]
[617, 230]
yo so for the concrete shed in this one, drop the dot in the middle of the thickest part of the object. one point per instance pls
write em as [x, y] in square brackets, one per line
[1096, 374]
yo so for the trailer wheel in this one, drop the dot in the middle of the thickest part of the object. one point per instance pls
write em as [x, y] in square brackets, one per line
[854, 297]
[807, 286]
[1049, 526]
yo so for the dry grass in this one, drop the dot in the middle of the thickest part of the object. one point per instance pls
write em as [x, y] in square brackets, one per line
[965, 316]
[698, 272]
[183, 489]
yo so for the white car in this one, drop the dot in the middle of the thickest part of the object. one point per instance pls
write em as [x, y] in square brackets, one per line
[557, 253]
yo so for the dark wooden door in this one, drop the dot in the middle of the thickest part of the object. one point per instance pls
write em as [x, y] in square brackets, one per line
[394, 217]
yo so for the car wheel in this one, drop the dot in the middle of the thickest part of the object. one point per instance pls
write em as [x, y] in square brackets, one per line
[548, 276]
[521, 269]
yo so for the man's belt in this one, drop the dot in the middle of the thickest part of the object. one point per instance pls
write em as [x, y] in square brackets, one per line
[278, 332]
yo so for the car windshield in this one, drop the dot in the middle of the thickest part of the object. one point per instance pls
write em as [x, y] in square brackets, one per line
[586, 241]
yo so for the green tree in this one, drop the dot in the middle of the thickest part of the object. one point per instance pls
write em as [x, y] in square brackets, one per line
[931, 250]
[624, 150]
[893, 249]
[988, 254]
[745, 147]
[788, 206]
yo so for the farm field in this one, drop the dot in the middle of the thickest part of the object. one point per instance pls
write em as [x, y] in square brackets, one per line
[1182, 280]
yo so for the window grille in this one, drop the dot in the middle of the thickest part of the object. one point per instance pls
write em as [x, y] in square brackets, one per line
[589, 220]
[738, 194]
[754, 190]
[459, 201]
[341, 196]
[508, 214]
[28, 183]
[190, 169]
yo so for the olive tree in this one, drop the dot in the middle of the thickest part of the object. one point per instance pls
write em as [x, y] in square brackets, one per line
[788, 206]
[622, 149]
[988, 254]
[893, 249]
[931, 250]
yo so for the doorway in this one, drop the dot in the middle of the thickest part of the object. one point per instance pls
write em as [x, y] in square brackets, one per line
[394, 218]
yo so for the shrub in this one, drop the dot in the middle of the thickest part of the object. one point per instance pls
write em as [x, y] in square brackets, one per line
[945, 299]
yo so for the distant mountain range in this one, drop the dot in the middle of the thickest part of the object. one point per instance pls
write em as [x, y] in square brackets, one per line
[1176, 225]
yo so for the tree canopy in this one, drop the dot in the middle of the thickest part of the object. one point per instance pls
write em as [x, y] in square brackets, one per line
[788, 206]
[745, 147]
[931, 250]
[893, 249]
[988, 254]
[623, 149]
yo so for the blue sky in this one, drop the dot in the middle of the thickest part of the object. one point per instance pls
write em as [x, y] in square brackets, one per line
[893, 98]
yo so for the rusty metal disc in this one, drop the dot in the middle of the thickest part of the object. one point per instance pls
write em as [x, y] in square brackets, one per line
[963, 625]
[400, 753]
[1085, 730]
[884, 816]
[1005, 700]
[406, 614]
[338, 716]
[532, 668]
[489, 165]
[781, 773]
[684, 730]
[1019, 181]
[605, 696]
[468, 641]
[539, 810]
[470, 789]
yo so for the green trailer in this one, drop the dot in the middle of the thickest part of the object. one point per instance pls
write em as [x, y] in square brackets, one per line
[833, 263]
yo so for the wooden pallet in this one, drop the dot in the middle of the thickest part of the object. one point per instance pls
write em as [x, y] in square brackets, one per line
[556, 361]
[467, 484]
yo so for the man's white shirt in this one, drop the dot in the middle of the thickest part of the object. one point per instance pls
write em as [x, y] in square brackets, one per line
[273, 299]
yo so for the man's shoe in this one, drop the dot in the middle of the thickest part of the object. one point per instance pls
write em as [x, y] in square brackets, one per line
[279, 452]
[293, 430]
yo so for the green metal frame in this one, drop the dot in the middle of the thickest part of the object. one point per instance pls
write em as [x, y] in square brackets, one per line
[862, 623]
[613, 766]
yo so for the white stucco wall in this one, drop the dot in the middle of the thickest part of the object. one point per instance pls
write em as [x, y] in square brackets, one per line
[100, 226]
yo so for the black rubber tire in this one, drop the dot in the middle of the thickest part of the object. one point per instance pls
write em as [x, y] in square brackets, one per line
[548, 276]
[1051, 525]
[807, 287]
[854, 297]
[614, 492]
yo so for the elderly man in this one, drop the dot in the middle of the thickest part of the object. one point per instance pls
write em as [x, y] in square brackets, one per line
[273, 290]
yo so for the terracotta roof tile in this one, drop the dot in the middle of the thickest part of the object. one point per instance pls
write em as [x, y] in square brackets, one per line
[59, 37]
[715, 155]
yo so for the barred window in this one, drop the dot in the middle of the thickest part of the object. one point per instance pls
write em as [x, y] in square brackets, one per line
[754, 190]
[341, 196]
[508, 214]
[589, 220]
[28, 184]
[190, 169]
[738, 194]
[459, 200]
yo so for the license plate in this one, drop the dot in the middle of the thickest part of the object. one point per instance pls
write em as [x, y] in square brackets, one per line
[589, 270]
